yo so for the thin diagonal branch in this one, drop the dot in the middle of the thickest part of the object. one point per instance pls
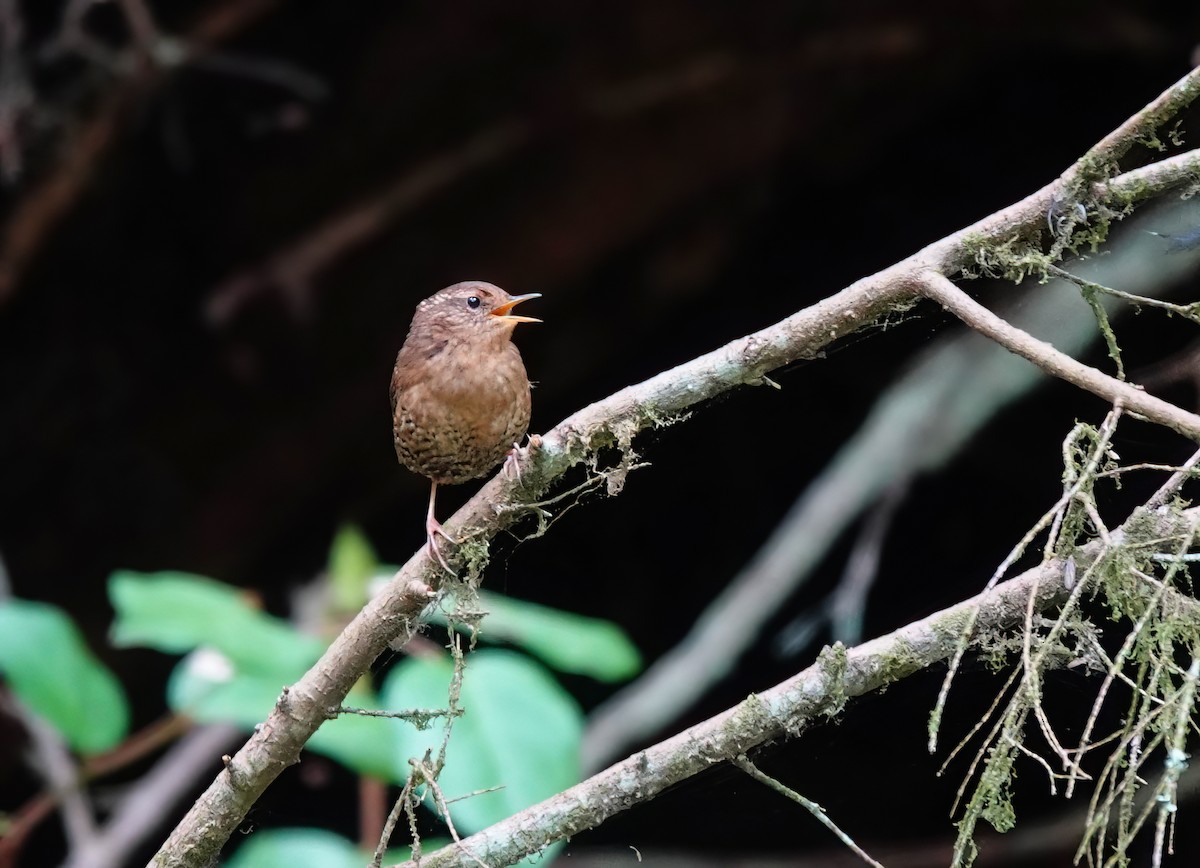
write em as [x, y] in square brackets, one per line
[940, 289]
[743, 763]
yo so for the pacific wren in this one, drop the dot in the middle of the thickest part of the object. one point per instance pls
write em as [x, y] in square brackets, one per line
[460, 394]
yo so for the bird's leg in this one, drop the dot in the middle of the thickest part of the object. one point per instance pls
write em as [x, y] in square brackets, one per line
[434, 529]
[512, 461]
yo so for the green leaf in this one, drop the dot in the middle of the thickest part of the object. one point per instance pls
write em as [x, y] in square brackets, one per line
[312, 848]
[352, 565]
[297, 848]
[49, 666]
[520, 730]
[564, 640]
[177, 612]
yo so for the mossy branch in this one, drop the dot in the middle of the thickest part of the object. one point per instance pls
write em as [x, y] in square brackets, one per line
[802, 701]
[614, 421]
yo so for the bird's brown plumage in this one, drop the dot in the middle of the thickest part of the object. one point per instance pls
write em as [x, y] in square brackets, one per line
[460, 394]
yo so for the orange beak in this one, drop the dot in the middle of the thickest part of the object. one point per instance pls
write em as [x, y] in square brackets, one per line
[502, 311]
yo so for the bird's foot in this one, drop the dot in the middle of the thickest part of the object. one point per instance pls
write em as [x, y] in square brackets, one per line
[512, 464]
[512, 461]
[434, 529]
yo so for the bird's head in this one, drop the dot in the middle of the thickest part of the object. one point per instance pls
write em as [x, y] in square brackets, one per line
[473, 309]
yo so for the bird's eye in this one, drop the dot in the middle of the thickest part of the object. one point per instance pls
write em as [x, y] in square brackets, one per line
[473, 302]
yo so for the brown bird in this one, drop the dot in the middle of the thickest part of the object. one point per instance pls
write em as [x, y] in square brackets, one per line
[460, 394]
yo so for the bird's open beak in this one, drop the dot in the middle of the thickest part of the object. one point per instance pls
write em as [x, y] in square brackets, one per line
[502, 311]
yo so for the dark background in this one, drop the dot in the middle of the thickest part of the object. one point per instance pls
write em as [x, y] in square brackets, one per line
[195, 364]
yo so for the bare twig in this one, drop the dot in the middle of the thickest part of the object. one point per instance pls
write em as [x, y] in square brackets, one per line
[808, 804]
[1188, 311]
[938, 288]
[402, 806]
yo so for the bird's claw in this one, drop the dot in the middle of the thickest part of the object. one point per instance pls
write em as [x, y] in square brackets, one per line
[434, 529]
[436, 555]
[512, 461]
[512, 464]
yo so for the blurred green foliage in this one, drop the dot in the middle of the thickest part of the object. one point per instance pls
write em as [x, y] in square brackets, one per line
[296, 848]
[517, 736]
[53, 672]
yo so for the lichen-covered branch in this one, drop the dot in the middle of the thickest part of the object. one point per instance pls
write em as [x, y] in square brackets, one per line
[805, 699]
[612, 422]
